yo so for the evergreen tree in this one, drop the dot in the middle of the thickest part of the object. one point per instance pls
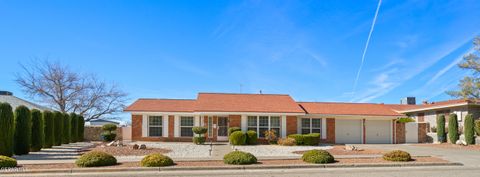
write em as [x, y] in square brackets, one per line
[23, 130]
[7, 128]
[37, 137]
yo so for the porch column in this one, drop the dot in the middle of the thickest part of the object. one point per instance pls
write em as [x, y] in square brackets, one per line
[284, 126]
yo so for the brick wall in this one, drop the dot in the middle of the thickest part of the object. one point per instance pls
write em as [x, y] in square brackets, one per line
[422, 132]
[400, 133]
[93, 133]
[136, 127]
[291, 125]
[171, 128]
[330, 131]
[234, 120]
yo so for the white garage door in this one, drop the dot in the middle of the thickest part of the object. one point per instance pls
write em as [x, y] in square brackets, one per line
[378, 131]
[348, 131]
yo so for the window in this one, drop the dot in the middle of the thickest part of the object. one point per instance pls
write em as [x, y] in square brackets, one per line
[311, 125]
[155, 126]
[186, 125]
[260, 124]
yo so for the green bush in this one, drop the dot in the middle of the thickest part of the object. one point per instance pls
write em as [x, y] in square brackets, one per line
[109, 127]
[156, 160]
[81, 128]
[23, 130]
[441, 134]
[67, 126]
[237, 138]
[252, 137]
[108, 136]
[7, 128]
[48, 129]
[312, 139]
[397, 155]
[469, 129]
[286, 142]
[477, 127]
[453, 128]
[317, 156]
[95, 159]
[199, 130]
[297, 137]
[73, 128]
[58, 127]
[7, 162]
[198, 140]
[38, 137]
[233, 129]
[239, 158]
[405, 120]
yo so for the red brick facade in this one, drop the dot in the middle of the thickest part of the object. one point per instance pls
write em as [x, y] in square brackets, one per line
[330, 131]
[291, 125]
[400, 133]
[422, 132]
[234, 121]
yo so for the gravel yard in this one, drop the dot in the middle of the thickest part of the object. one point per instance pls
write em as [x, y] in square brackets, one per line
[179, 149]
[276, 150]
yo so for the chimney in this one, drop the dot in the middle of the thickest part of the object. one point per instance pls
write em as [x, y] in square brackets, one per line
[408, 100]
[6, 93]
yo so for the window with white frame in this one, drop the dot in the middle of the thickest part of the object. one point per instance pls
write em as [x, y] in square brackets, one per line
[155, 126]
[311, 125]
[260, 124]
[186, 125]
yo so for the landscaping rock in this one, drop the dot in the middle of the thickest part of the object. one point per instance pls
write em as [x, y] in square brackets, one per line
[351, 148]
[111, 143]
[135, 146]
[461, 142]
[143, 146]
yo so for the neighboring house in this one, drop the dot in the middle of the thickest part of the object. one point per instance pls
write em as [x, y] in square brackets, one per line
[173, 119]
[101, 122]
[7, 97]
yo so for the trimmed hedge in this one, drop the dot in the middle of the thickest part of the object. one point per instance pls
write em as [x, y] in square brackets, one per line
[317, 156]
[199, 140]
[252, 137]
[67, 126]
[297, 137]
[108, 134]
[312, 139]
[477, 127]
[73, 128]
[38, 137]
[233, 129]
[397, 155]
[469, 129]
[286, 142]
[7, 127]
[23, 130]
[199, 130]
[156, 160]
[237, 138]
[239, 158]
[453, 128]
[7, 162]
[48, 129]
[81, 128]
[441, 134]
[95, 159]
[58, 128]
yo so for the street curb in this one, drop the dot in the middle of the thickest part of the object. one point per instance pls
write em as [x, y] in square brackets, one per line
[233, 167]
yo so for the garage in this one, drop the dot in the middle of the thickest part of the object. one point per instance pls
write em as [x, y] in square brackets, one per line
[378, 131]
[348, 131]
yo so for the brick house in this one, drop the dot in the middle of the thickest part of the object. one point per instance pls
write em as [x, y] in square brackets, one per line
[173, 119]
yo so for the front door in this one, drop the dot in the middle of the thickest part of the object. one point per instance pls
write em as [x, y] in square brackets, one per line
[222, 130]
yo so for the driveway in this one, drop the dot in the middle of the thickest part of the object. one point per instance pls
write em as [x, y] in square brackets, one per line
[469, 158]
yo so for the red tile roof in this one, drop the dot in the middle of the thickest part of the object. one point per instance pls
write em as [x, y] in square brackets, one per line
[162, 105]
[227, 102]
[366, 109]
[429, 105]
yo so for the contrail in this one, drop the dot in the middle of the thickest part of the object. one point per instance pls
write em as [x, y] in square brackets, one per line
[366, 47]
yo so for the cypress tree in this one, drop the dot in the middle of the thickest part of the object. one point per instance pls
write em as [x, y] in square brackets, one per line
[441, 129]
[23, 130]
[81, 127]
[37, 138]
[48, 131]
[74, 128]
[66, 128]
[7, 129]
[469, 129]
[453, 128]
[58, 128]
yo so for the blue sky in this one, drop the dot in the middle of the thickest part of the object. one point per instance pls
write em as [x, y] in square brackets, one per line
[309, 49]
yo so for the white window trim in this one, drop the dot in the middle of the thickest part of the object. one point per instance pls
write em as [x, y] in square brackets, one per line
[311, 128]
[180, 125]
[269, 127]
[158, 126]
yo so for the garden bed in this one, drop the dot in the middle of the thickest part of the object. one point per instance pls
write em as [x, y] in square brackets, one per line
[451, 146]
[340, 150]
[126, 150]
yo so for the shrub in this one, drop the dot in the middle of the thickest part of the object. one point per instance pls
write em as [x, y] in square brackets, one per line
[81, 128]
[405, 120]
[6, 162]
[317, 156]
[73, 128]
[199, 130]
[237, 138]
[271, 136]
[156, 160]
[199, 140]
[297, 137]
[441, 134]
[109, 127]
[397, 155]
[453, 128]
[233, 129]
[469, 129]
[108, 134]
[7, 128]
[312, 139]
[433, 129]
[286, 142]
[38, 137]
[477, 127]
[23, 129]
[48, 129]
[67, 126]
[252, 137]
[58, 128]
[239, 158]
[95, 159]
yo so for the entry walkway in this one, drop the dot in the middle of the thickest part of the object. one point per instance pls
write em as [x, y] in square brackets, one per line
[67, 153]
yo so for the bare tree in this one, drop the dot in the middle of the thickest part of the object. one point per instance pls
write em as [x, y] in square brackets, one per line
[63, 89]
